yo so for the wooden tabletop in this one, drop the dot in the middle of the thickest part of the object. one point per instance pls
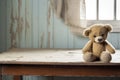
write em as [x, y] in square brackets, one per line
[54, 62]
[51, 57]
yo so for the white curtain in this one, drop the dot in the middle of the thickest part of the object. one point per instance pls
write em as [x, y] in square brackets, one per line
[72, 12]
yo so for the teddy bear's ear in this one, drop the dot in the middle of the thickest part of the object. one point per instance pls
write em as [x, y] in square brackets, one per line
[86, 32]
[108, 26]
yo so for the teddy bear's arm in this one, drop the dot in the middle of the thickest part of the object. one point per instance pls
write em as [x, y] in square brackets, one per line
[110, 48]
[87, 47]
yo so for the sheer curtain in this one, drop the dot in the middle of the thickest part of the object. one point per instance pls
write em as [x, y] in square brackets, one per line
[72, 12]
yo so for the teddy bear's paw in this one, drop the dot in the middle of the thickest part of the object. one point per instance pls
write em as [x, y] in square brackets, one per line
[105, 57]
[89, 57]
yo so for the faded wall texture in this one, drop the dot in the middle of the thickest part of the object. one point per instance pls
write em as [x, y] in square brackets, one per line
[26, 24]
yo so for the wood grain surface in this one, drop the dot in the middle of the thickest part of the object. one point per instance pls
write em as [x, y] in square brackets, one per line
[50, 57]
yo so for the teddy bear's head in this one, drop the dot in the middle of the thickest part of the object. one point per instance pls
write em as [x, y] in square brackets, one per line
[97, 32]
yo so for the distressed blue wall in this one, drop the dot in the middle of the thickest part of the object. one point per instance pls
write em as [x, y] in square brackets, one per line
[26, 24]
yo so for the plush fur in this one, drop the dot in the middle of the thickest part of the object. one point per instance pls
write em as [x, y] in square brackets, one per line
[98, 48]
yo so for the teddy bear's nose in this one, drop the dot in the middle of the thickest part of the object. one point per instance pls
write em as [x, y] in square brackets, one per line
[99, 39]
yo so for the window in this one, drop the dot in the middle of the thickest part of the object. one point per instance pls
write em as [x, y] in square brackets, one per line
[103, 11]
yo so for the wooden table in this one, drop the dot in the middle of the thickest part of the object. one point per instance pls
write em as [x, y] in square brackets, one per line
[55, 62]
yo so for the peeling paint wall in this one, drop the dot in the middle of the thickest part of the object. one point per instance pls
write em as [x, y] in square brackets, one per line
[20, 20]
[29, 24]
[32, 24]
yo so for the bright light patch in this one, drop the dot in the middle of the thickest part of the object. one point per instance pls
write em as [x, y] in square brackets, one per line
[118, 9]
[106, 9]
[91, 9]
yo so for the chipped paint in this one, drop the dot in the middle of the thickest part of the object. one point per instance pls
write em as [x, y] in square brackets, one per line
[27, 23]
[49, 14]
[16, 18]
[13, 35]
[49, 30]
[20, 21]
[42, 40]
[48, 40]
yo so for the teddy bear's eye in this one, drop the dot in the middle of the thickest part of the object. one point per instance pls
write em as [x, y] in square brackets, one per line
[94, 36]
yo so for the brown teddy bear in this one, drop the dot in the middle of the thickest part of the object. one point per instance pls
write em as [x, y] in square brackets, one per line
[98, 49]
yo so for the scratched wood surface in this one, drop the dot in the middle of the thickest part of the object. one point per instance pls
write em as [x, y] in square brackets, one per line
[50, 57]
[32, 24]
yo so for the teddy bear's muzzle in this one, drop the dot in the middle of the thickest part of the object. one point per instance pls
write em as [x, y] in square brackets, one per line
[99, 39]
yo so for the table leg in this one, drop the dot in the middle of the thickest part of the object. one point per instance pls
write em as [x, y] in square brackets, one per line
[17, 77]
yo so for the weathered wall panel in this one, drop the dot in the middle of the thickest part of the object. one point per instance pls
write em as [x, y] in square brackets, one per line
[32, 24]
[13, 24]
[70, 40]
[7, 77]
[8, 22]
[43, 25]
[3, 30]
[35, 26]
[118, 41]
[22, 23]
[60, 34]
[28, 23]
[113, 39]
[50, 23]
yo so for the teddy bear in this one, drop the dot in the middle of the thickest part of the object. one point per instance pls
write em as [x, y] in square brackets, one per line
[98, 49]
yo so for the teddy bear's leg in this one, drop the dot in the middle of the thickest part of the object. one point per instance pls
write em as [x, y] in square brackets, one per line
[105, 57]
[89, 57]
